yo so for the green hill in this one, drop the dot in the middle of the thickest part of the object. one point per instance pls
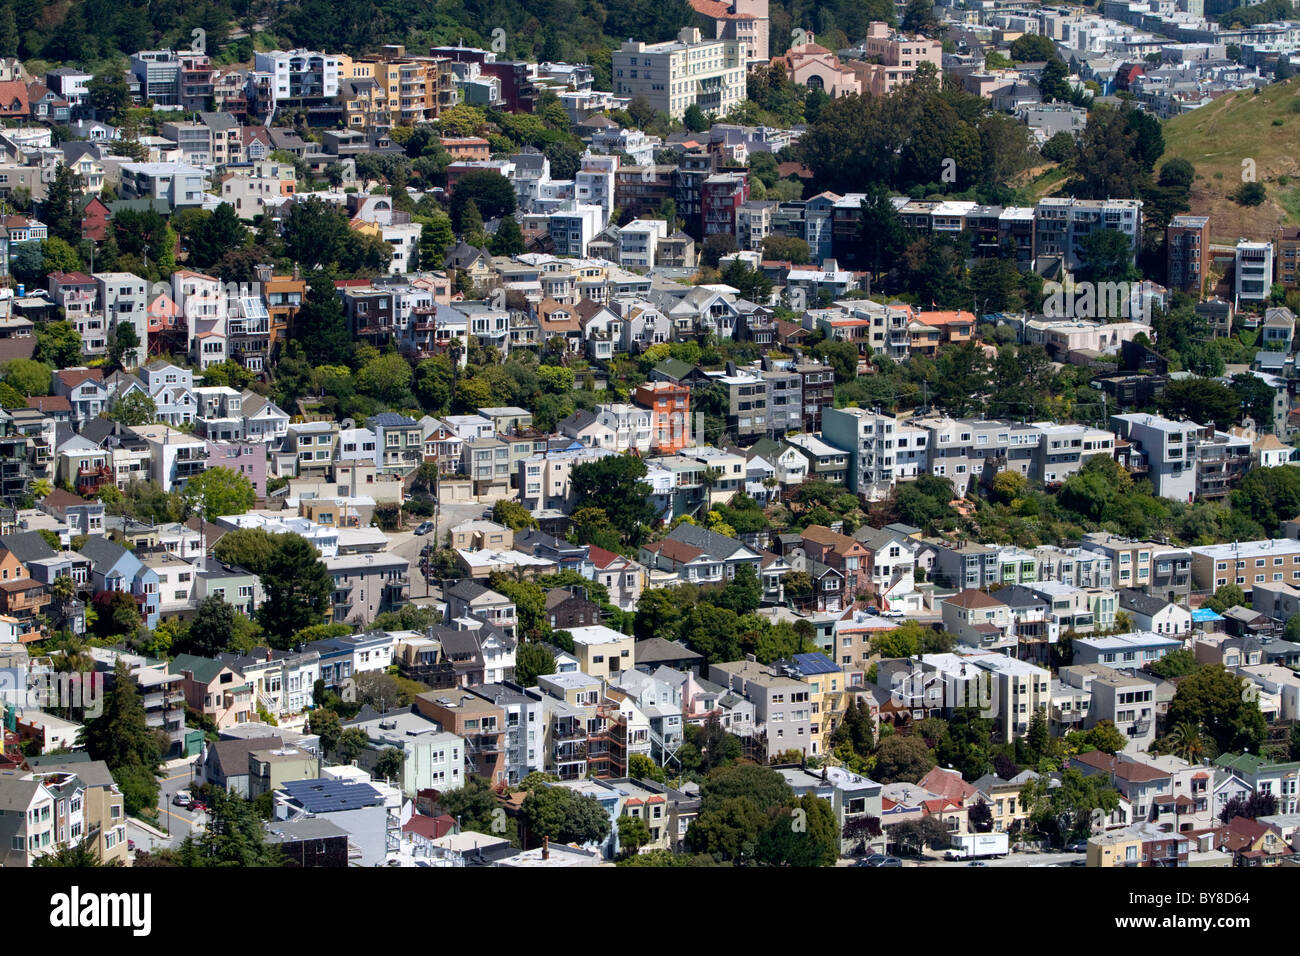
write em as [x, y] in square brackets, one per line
[1217, 138]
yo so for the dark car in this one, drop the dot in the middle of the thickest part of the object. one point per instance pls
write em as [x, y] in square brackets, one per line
[1077, 847]
[424, 528]
[874, 860]
[977, 863]
[891, 861]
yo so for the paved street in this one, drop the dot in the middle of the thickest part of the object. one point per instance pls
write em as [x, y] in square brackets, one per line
[175, 822]
[407, 544]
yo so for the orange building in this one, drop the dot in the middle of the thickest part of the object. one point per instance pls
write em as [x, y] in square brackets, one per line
[670, 406]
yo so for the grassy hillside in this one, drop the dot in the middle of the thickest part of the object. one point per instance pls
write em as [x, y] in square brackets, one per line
[1216, 138]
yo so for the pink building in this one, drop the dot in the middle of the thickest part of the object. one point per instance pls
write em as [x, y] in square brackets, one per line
[243, 457]
[898, 57]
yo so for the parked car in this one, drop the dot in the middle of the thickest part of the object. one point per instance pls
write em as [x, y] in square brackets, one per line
[891, 861]
[892, 612]
[874, 860]
[1077, 847]
[424, 528]
[977, 863]
[182, 799]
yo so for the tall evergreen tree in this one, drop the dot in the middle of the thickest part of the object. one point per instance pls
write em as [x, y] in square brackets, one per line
[61, 210]
[297, 589]
[325, 336]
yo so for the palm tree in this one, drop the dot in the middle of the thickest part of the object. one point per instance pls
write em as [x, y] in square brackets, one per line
[63, 589]
[1187, 741]
[41, 487]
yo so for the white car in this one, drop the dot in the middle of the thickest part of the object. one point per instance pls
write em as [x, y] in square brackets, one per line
[892, 612]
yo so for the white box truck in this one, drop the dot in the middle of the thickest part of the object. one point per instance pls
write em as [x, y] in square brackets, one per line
[974, 846]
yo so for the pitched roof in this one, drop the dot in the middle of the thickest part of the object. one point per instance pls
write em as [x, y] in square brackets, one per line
[971, 598]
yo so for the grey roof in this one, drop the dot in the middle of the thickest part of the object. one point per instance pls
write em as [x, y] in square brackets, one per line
[466, 590]
[714, 544]
[309, 828]
[232, 755]
[655, 649]
[103, 554]
[1131, 600]
[27, 546]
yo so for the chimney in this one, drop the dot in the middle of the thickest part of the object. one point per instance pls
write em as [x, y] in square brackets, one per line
[546, 848]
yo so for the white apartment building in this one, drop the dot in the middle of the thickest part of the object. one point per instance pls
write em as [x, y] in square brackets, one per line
[1253, 272]
[124, 297]
[680, 73]
[295, 75]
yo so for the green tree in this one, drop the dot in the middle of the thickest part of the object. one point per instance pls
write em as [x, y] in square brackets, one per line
[386, 378]
[564, 816]
[743, 593]
[28, 376]
[297, 589]
[1064, 811]
[615, 485]
[487, 190]
[1269, 496]
[1212, 697]
[474, 806]
[513, 515]
[61, 211]
[508, 239]
[136, 409]
[1201, 400]
[109, 94]
[123, 346]
[234, 837]
[314, 233]
[121, 737]
[762, 786]
[81, 855]
[58, 344]
[633, 833]
[803, 835]
[352, 743]
[325, 724]
[219, 491]
[729, 830]
[217, 235]
[532, 661]
[1177, 663]
[247, 548]
[902, 759]
[1226, 596]
[209, 633]
[326, 339]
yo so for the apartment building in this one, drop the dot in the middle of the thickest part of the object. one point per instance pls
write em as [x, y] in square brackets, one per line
[477, 721]
[687, 71]
[1168, 449]
[1246, 563]
[1062, 224]
[1252, 271]
[289, 79]
[1187, 253]
[782, 704]
[180, 185]
[367, 585]
[1288, 257]
[869, 438]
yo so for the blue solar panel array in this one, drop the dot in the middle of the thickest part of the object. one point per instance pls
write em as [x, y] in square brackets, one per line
[815, 664]
[328, 796]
